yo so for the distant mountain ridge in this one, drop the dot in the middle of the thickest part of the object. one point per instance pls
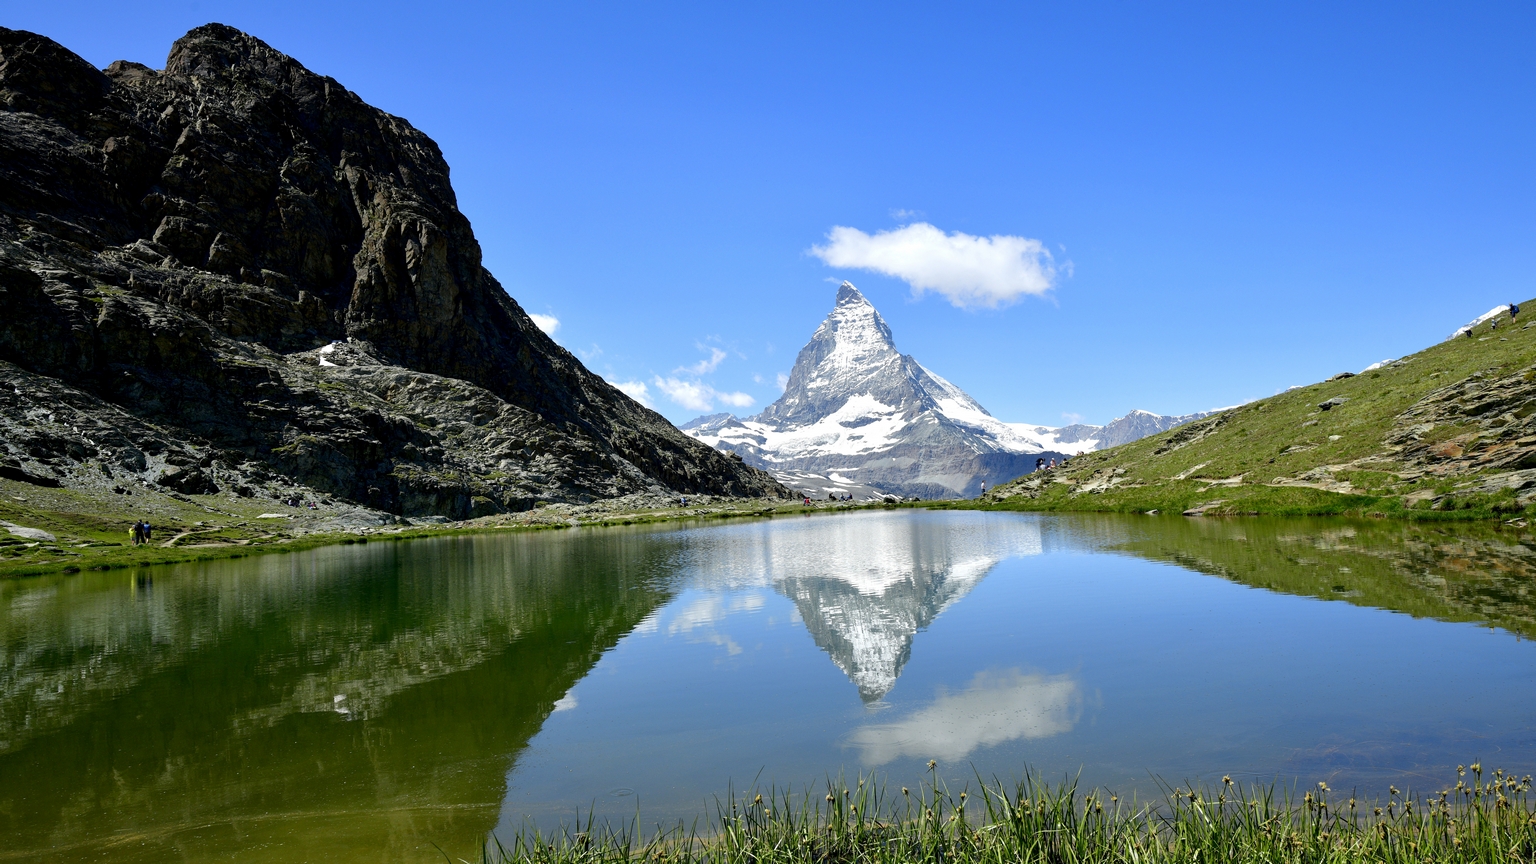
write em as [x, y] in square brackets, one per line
[860, 413]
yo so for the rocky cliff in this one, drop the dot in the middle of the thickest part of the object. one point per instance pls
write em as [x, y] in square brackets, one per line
[234, 274]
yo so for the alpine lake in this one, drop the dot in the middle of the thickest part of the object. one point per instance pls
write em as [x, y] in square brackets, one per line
[408, 701]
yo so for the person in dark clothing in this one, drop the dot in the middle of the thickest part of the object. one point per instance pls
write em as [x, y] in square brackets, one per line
[1514, 309]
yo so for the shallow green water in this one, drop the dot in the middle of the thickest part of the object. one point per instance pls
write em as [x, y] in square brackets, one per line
[385, 701]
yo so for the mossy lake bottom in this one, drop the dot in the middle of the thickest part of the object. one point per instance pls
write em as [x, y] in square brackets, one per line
[388, 701]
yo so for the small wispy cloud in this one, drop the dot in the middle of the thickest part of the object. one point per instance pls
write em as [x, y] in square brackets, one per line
[548, 323]
[782, 380]
[1071, 417]
[698, 396]
[635, 390]
[707, 365]
[902, 215]
[970, 271]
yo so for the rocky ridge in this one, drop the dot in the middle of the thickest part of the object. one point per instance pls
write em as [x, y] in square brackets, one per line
[232, 276]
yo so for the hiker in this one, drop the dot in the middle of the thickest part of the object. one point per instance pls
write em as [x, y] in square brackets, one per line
[136, 533]
[1514, 309]
[148, 532]
[983, 487]
[1039, 463]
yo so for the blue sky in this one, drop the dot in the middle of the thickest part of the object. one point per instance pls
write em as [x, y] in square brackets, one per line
[1234, 197]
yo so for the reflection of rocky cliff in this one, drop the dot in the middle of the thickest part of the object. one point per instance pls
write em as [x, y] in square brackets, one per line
[367, 701]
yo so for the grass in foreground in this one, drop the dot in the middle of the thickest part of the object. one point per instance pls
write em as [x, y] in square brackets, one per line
[1478, 819]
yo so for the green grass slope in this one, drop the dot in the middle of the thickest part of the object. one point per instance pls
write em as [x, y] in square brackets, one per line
[1445, 433]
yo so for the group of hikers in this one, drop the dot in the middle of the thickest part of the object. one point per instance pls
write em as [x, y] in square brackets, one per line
[300, 502]
[1514, 309]
[1042, 465]
[141, 532]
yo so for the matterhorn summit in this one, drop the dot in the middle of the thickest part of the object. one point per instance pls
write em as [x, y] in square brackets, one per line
[859, 413]
[859, 416]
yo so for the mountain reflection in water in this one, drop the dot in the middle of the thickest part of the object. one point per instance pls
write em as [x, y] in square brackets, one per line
[381, 701]
[864, 584]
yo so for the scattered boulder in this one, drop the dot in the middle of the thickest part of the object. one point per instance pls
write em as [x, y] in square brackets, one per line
[188, 481]
[1330, 404]
[10, 469]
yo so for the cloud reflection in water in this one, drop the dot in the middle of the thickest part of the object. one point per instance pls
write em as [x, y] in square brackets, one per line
[998, 706]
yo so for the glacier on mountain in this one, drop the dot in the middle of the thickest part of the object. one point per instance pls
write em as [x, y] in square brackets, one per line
[856, 409]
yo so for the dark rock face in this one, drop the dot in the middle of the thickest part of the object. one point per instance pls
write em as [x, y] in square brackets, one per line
[178, 244]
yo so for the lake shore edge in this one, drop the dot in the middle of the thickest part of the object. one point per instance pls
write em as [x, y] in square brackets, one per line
[95, 553]
[1194, 499]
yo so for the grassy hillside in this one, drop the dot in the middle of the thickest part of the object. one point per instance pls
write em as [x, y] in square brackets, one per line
[1444, 433]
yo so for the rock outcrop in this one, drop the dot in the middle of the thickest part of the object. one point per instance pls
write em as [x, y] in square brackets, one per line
[235, 274]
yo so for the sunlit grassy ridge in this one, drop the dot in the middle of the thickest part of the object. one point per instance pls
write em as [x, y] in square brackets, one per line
[1284, 455]
[1478, 818]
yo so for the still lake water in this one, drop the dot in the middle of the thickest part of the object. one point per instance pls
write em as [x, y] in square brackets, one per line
[382, 701]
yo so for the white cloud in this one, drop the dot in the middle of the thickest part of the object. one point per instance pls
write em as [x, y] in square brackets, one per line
[998, 706]
[1071, 417]
[970, 271]
[704, 367]
[903, 215]
[698, 396]
[782, 380]
[635, 390]
[548, 323]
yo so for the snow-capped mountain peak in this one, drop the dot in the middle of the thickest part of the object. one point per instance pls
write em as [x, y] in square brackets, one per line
[856, 409]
